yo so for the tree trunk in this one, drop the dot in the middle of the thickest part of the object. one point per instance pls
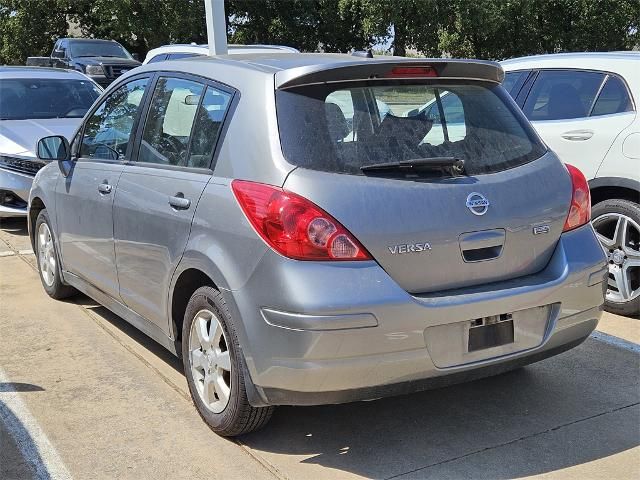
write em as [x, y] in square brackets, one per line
[399, 40]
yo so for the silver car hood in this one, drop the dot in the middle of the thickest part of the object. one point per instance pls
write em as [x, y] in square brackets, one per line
[18, 138]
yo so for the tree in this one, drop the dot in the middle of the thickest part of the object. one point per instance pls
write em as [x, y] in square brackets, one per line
[29, 28]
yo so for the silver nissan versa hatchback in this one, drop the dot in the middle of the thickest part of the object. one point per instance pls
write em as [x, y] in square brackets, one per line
[313, 228]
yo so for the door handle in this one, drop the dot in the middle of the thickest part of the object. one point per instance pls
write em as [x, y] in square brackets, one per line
[179, 202]
[105, 188]
[577, 135]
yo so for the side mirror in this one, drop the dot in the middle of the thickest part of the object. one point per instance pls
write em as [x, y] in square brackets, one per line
[136, 56]
[55, 147]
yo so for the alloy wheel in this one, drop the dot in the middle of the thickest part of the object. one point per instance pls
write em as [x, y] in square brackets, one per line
[619, 236]
[46, 254]
[210, 360]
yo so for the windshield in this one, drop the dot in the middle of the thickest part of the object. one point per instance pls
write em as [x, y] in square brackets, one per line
[98, 49]
[26, 98]
[344, 127]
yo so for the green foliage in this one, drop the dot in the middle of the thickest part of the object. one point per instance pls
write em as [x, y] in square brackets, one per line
[29, 28]
[492, 29]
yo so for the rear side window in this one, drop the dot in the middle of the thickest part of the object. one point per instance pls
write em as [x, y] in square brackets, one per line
[158, 58]
[178, 56]
[183, 123]
[613, 98]
[206, 130]
[341, 128]
[562, 94]
[513, 80]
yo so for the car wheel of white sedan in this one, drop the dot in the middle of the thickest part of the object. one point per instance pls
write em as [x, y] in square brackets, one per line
[617, 226]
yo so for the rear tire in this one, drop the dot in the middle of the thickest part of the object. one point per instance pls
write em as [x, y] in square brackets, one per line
[48, 259]
[623, 253]
[214, 367]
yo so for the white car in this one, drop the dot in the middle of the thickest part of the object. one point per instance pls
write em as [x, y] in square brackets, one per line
[177, 51]
[584, 106]
[34, 102]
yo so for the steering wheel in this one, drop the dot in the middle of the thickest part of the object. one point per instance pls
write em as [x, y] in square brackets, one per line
[171, 147]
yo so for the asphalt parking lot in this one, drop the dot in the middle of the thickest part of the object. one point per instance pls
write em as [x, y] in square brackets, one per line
[84, 395]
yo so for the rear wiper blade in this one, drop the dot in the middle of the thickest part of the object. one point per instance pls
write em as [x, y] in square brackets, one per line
[456, 165]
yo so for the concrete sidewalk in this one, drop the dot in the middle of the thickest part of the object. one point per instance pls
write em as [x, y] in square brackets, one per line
[113, 404]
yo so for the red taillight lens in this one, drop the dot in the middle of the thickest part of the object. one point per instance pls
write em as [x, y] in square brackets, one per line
[295, 227]
[412, 72]
[580, 207]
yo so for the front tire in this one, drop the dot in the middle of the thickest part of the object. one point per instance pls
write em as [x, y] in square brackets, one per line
[617, 225]
[213, 365]
[48, 259]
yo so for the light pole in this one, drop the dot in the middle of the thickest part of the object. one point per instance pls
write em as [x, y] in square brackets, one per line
[216, 26]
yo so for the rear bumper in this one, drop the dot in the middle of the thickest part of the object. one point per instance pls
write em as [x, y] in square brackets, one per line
[360, 336]
[19, 185]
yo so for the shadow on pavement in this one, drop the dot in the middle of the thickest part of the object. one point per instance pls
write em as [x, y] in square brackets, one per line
[540, 414]
[129, 330]
[19, 455]
[19, 387]
[14, 226]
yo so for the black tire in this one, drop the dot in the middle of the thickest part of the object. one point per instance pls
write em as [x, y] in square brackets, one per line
[238, 417]
[632, 211]
[57, 288]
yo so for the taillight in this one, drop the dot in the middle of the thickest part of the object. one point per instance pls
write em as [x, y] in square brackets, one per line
[412, 72]
[294, 226]
[580, 207]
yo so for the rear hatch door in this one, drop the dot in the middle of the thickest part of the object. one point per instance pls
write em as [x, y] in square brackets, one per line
[431, 229]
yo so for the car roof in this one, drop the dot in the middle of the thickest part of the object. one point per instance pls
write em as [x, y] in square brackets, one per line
[292, 69]
[605, 61]
[203, 49]
[40, 72]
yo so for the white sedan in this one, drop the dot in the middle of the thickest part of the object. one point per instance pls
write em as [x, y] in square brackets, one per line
[584, 106]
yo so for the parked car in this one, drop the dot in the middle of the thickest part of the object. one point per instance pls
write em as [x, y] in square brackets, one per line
[177, 51]
[583, 106]
[35, 102]
[101, 60]
[226, 208]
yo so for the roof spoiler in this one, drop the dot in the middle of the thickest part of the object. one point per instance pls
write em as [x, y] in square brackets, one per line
[382, 68]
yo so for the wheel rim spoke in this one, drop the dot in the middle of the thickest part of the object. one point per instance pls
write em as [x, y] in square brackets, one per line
[224, 361]
[202, 330]
[207, 391]
[199, 360]
[621, 283]
[620, 235]
[606, 242]
[222, 389]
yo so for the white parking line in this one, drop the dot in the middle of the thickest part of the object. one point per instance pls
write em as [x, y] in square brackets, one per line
[29, 438]
[8, 253]
[25, 252]
[616, 341]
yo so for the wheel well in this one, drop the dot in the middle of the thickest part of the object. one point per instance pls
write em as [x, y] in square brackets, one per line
[189, 281]
[36, 207]
[600, 194]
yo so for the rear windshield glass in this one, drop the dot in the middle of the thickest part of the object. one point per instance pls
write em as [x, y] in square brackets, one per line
[343, 127]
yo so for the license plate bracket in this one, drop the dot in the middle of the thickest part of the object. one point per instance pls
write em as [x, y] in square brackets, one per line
[490, 332]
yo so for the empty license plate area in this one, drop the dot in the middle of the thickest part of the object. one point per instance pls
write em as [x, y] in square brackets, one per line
[490, 332]
[477, 339]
